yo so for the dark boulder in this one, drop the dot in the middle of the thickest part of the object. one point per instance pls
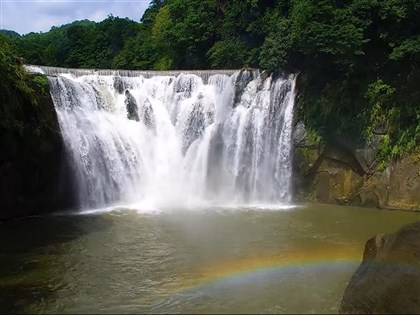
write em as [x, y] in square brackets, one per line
[131, 105]
[388, 279]
[119, 85]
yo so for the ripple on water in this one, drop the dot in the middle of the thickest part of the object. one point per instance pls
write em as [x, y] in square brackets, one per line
[186, 261]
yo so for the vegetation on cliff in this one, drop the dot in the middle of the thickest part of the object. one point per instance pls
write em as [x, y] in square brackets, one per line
[31, 164]
[358, 61]
[15, 83]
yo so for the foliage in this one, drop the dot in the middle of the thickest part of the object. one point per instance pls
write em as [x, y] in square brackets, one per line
[20, 96]
[81, 44]
[12, 74]
[358, 60]
[227, 54]
[41, 82]
[9, 33]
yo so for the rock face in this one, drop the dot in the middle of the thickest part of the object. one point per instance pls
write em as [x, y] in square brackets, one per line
[131, 105]
[34, 173]
[343, 172]
[388, 279]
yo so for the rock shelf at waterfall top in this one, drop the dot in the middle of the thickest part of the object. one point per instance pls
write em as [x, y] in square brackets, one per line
[54, 71]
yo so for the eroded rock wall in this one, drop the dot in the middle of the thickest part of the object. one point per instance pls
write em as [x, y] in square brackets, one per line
[347, 173]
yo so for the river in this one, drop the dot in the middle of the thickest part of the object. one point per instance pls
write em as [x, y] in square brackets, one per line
[211, 260]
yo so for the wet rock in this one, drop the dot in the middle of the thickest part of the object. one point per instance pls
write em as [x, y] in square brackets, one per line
[146, 115]
[131, 105]
[119, 85]
[185, 85]
[243, 78]
[196, 124]
[300, 135]
[388, 279]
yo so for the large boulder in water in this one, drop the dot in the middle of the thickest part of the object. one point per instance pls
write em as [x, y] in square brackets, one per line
[388, 279]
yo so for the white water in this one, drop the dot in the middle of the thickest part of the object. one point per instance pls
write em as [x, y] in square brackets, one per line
[186, 144]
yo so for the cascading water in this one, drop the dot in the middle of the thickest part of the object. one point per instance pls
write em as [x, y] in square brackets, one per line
[177, 141]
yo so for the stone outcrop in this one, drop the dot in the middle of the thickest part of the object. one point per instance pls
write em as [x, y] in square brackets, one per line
[347, 173]
[388, 279]
[34, 173]
[131, 105]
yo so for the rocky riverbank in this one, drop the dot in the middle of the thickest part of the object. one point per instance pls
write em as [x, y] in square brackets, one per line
[342, 171]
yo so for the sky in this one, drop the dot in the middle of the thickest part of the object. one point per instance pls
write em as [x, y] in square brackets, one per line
[25, 16]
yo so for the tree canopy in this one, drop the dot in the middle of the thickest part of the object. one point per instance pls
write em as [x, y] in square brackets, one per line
[358, 60]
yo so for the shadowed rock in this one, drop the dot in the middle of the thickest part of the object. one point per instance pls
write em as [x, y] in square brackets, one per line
[388, 279]
[131, 104]
[242, 80]
[34, 170]
[119, 85]
[146, 115]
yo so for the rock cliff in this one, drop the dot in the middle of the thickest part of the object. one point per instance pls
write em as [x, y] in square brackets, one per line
[34, 174]
[345, 172]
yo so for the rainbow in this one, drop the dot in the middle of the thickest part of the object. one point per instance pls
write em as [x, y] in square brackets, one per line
[234, 269]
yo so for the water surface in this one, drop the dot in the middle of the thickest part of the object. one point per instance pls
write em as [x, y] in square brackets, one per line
[218, 260]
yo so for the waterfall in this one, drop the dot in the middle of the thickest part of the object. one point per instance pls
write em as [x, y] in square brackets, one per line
[177, 140]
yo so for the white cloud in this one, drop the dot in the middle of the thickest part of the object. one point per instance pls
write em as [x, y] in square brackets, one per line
[24, 16]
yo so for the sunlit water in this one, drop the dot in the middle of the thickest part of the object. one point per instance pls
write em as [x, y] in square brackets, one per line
[219, 260]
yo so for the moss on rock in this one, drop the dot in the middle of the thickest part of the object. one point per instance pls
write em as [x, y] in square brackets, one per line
[33, 169]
